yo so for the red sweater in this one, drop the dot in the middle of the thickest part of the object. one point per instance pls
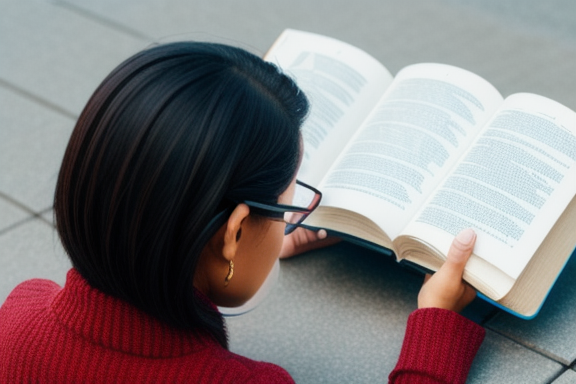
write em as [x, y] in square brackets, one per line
[78, 334]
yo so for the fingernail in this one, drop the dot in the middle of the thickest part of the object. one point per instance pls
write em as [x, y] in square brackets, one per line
[322, 234]
[466, 236]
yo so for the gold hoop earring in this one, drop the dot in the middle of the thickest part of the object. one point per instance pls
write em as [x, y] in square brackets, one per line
[230, 274]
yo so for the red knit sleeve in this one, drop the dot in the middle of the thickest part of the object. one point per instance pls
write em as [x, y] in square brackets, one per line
[439, 347]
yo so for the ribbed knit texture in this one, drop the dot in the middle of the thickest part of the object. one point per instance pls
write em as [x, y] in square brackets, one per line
[439, 347]
[79, 335]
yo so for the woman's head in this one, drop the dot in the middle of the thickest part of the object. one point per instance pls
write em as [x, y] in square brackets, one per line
[173, 136]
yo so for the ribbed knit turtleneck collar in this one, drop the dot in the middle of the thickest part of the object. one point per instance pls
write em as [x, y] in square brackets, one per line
[115, 324]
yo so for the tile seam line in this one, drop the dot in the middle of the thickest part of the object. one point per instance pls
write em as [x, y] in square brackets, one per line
[101, 20]
[31, 213]
[541, 352]
[556, 377]
[17, 224]
[37, 99]
[490, 316]
[518, 26]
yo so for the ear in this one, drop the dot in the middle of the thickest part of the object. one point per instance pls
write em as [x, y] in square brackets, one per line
[233, 231]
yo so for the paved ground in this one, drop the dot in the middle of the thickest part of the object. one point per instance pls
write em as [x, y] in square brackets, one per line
[337, 315]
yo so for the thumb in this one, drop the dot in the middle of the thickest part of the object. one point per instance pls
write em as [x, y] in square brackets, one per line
[459, 253]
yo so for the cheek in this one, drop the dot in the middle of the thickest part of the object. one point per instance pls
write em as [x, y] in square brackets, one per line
[275, 240]
[254, 264]
[266, 253]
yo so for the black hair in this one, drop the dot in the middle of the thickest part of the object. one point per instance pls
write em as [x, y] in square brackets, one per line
[171, 137]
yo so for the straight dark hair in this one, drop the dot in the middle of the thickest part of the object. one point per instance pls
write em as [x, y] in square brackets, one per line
[171, 137]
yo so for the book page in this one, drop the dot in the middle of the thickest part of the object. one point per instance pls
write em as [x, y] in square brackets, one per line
[421, 126]
[342, 84]
[512, 185]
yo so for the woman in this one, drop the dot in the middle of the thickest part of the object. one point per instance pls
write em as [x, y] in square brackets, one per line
[172, 199]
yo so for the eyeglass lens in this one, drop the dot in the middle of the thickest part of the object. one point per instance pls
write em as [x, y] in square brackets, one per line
[305, 198]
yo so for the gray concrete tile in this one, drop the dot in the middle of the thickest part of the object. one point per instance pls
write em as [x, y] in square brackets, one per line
[58, 55]
[10, 214]
[396, 33]
[252, 24]
[48, 215]
[501, 360]
[552, 18]
[568, 377]
[339, 315]
[552, 331]
[336, 316]
[31, 250]
[33, 142]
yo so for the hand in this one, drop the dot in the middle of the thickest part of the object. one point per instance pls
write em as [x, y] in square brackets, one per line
[446, 289]
[303, 240]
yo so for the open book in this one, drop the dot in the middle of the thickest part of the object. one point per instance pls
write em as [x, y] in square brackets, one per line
[406, 162]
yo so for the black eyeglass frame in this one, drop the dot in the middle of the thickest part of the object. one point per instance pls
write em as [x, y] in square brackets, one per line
[277, 211]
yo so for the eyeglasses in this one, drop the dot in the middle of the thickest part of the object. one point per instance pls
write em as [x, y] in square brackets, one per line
[306, 199]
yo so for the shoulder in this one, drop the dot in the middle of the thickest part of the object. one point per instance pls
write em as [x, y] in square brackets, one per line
[270, 373]
[240, 369]
[22, 321]
[25, 302]
[30, 291]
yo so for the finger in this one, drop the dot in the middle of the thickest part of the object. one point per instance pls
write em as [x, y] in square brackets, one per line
[303, 240]
[318, 243]
[469, 294]
[459, 253]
